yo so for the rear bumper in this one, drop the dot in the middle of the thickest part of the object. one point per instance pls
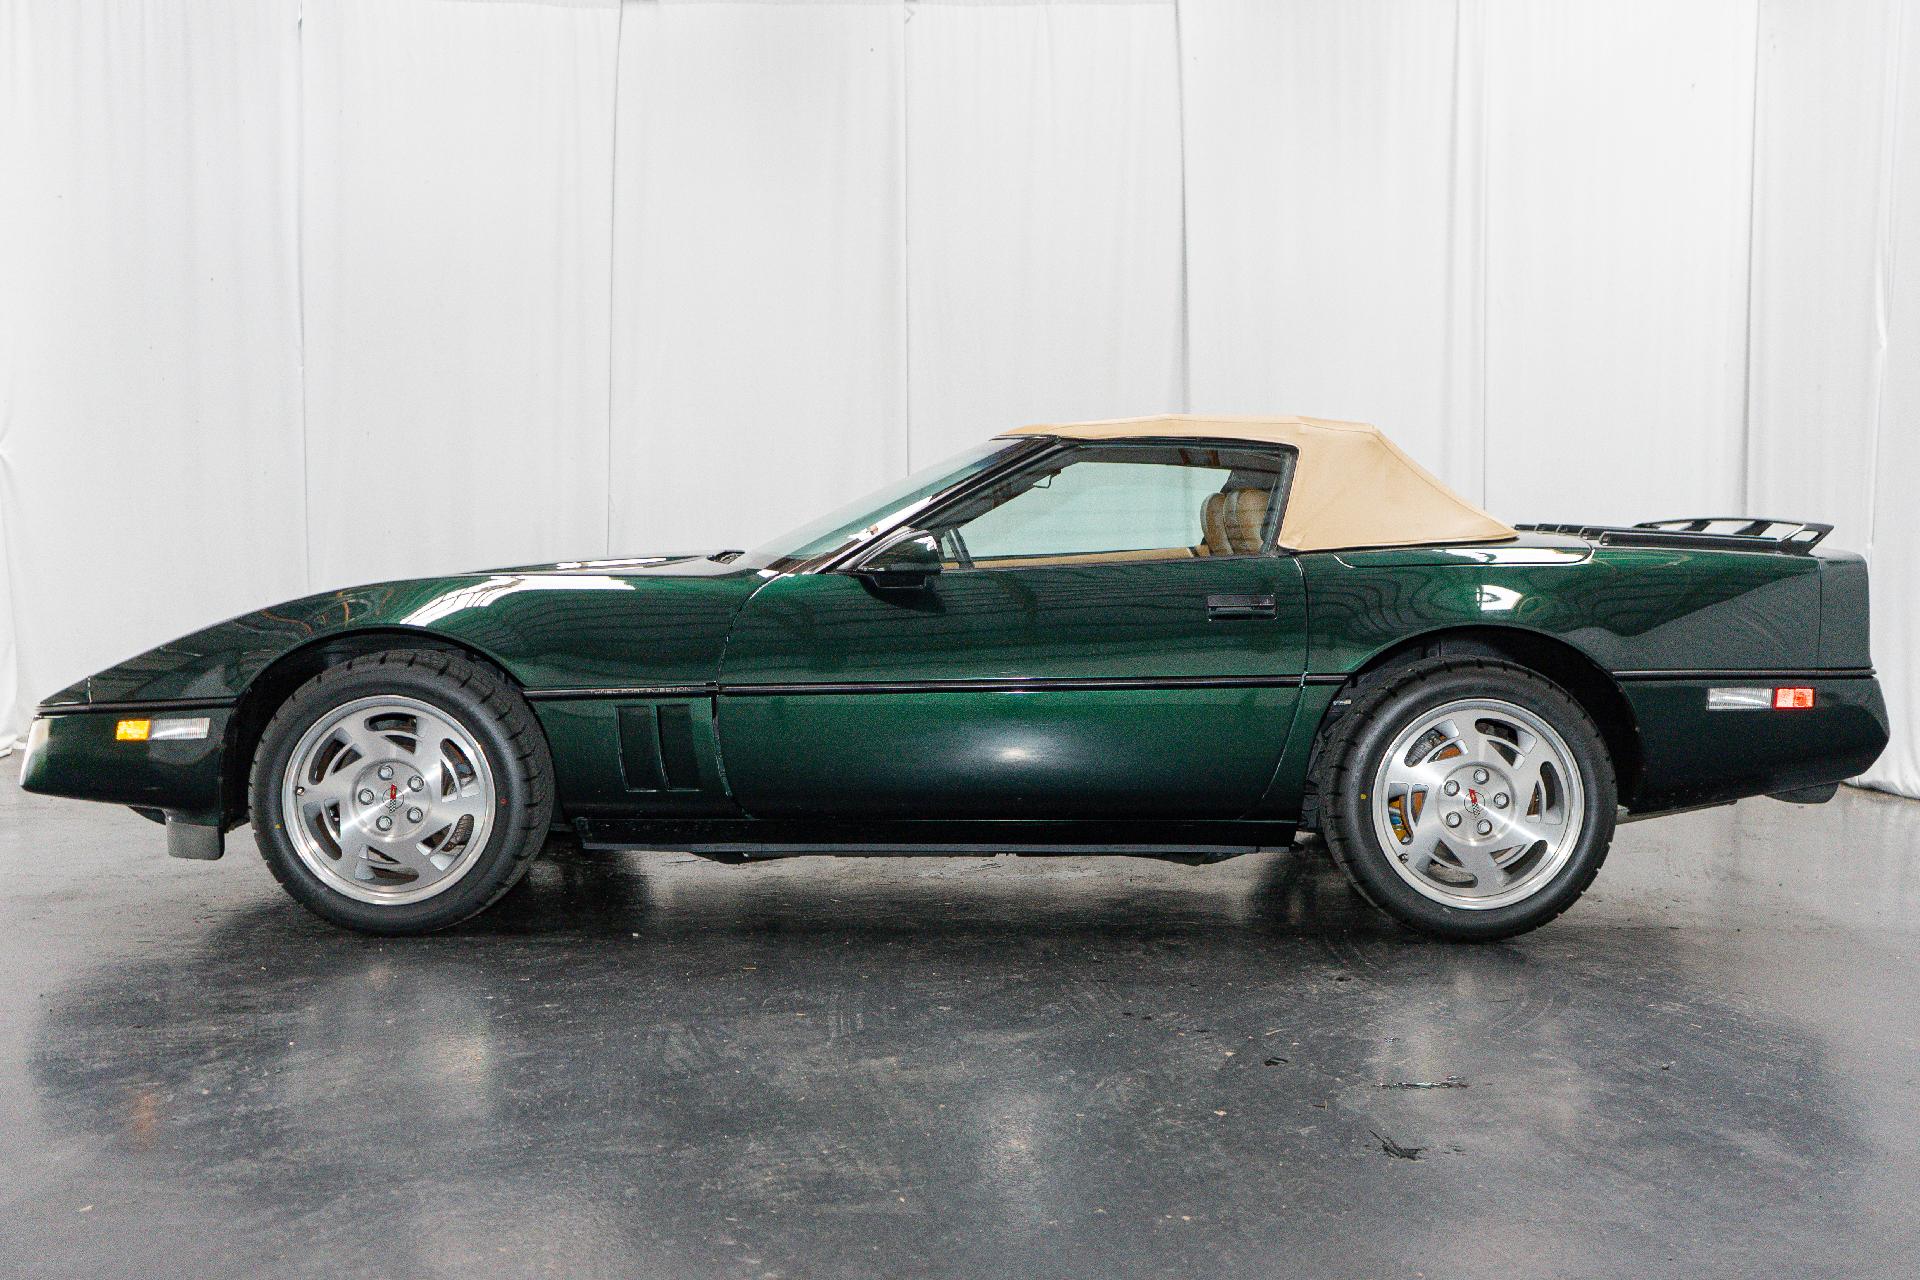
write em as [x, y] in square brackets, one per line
[1693, 756]
[77, 755]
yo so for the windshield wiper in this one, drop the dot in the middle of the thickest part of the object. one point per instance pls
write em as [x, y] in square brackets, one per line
[728, 556]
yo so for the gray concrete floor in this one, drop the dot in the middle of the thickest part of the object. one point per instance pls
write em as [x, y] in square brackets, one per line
[655, 1066]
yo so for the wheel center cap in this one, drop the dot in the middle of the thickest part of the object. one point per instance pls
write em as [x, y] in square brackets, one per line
[1473, 801]
[394, 803]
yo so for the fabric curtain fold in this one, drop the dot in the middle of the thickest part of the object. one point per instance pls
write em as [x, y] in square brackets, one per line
[759, 373]
[456, 202]
[1044, 217]
[1332, 189]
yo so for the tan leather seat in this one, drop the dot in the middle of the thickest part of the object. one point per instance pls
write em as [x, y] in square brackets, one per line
[1232, 521]
[1213, 526]
[1246, 516]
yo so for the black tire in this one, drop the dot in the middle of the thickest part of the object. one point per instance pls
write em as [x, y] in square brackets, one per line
[1351, 757]
[482, 702]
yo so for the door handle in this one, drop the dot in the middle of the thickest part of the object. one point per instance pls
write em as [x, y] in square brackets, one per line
[1230, 608]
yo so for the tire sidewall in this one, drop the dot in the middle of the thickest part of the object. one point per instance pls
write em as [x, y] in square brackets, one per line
[1368, 861]
[513, 797]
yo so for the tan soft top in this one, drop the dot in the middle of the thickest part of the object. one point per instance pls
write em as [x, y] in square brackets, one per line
[1352, 486]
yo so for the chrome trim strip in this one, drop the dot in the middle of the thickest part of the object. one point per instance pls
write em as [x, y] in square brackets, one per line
[621, 691]
[158, 706]
[1026, 684]
[1834, 673]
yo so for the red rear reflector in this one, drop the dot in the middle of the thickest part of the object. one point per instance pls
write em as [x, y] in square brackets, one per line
[1792, 699]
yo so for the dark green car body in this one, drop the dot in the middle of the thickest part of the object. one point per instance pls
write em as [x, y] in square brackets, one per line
[746, 704]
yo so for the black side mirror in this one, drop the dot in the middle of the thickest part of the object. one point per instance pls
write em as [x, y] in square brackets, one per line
[907, 564]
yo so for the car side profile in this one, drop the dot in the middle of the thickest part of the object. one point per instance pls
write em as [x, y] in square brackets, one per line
[1184, 637]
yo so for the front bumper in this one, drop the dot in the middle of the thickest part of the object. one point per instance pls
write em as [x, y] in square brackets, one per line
[75, 753]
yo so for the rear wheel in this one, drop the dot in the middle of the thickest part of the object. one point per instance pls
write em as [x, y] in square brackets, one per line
[401, 792]
[1469, 798]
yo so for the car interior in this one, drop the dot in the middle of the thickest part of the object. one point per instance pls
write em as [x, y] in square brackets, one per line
[1239, 517]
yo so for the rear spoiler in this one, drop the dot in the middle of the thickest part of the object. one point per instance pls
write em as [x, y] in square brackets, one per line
[1723, 533]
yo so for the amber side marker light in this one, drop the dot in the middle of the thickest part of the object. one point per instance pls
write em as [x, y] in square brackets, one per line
[177, 729]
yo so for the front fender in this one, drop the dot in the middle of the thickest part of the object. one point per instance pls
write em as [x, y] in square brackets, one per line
[570, 635]
[220, 661]
[548, 631]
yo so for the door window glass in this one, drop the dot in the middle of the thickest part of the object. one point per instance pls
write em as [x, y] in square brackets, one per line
[1121, 502]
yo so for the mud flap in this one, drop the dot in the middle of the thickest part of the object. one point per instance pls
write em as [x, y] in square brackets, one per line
[191, 836]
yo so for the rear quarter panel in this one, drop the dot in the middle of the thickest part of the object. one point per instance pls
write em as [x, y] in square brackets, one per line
[1629, 609]
[1665, 623]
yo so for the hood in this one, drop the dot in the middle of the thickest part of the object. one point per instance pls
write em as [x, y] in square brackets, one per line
[680, 563]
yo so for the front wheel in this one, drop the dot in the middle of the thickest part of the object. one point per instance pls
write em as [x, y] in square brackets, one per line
[401, 792]
[1469, 798]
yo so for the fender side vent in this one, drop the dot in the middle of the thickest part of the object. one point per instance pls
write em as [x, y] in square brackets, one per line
[656, 748]
[675, 725]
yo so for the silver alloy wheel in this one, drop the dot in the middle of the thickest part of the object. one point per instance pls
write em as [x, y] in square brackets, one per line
[388, 799]
[1478, 803]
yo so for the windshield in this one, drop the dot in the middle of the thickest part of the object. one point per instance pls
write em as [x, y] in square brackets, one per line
[885, 505]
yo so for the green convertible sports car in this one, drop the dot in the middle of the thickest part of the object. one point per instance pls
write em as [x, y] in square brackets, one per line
[1181, 637]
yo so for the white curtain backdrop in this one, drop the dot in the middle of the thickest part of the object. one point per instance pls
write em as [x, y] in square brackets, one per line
[1895, 540]
[1619, 148]
[1043, 216]
[1334, 186]
[150, 429]
[456, 224]
[759, 368]
[295, 293]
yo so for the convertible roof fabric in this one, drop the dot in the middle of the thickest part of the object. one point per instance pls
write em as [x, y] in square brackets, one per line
[1352, 487]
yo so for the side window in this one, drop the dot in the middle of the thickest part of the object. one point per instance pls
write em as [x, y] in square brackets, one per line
[1121, 502]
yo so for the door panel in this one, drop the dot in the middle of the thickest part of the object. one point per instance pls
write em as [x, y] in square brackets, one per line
[1062, 691]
